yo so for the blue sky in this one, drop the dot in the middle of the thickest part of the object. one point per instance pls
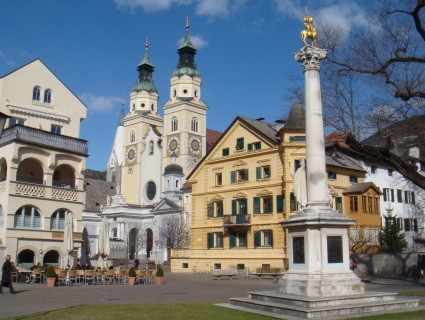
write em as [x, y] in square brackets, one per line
[245, 52]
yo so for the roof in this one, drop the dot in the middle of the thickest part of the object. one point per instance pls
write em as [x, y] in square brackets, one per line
[96, 192]
[338, 138]
[296, 118]
[336, 157]
[165, 206]
[212, 138]
[361, 187]
[187, 186]
[173, 169]
[146, 60]
[267, 129]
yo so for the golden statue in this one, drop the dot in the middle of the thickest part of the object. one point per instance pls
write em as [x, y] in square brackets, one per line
[310, 31]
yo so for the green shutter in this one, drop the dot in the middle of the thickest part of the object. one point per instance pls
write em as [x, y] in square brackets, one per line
[270, 171]
[258, 173]
[232, 240]
[256, 205]
[280, 204]
[232, 176]
[210, 211]
[257, 239]
[243, 204]
[249, 146]
[246, 175]
[234, 208]
[210, 240]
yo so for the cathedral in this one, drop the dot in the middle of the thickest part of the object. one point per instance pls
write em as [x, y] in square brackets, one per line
[150, 159]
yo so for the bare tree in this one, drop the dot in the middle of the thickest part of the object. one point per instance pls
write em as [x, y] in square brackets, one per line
[361, 242]
[373, 78]
[174, 231]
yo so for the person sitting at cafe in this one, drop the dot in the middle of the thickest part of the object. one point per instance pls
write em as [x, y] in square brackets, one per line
[33, 266]
[19, 276]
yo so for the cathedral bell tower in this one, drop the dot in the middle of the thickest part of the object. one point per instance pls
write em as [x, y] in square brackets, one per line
[185, 112]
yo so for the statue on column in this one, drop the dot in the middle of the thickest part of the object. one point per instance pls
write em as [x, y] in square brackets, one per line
[310, 31]
[299, 180]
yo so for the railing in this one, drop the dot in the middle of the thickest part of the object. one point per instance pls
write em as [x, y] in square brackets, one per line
[63, 185]
[44, 138]
[239, 219]
[43, 191]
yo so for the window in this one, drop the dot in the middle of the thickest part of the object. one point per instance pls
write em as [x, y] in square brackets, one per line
[263, 238]
[225, 152]
[353, 204]
[239, 176]
[331, 175]
[238, 240]
[239, 206]
[151, 146]
[263, 172]
[14, 121]
[215, 209]
[399, 195]
[409, 197]
[370, 204]
[218, 179]
[36, 94]
[373, 169]
[57, 220]
[177, 183]
[388, 194]
[263, 205]
[47, 96]
[240, 144]
[151, 190]
[174, 124]
[132, 136]
[168, 183]
[194, 124]
[338, 204]
[215, 240]
[27, 217]
[297, 139]
[152, 107]
[280, 203]
[56, 129]
[411, 225]
[353, 179]
[254, 146]
[364, 203]
[114, 233]
[390, 172]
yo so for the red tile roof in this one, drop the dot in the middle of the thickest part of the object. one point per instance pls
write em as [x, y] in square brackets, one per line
[212, 137]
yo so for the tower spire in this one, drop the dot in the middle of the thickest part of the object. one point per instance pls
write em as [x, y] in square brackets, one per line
[146, 69]
[186, 52]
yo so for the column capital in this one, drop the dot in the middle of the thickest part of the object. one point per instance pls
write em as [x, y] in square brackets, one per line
[310, 57]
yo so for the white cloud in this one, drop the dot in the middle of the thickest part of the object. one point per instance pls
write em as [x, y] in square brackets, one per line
[211, 8]
[344, 14]
[198, 42]
[100, 104]
[291, 8]
[6, 60]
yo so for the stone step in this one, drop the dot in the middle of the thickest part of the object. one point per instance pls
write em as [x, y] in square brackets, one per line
[323, 312]
[310, 302]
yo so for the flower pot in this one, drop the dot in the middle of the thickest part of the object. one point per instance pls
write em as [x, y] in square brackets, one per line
[131, 281]
[159, 280]
[51, 282]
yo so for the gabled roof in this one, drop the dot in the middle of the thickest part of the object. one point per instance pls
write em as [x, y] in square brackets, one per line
[361, 188]
[339, 157]
[212, 137]
[39, 60]
[264, 129]
[165, 206]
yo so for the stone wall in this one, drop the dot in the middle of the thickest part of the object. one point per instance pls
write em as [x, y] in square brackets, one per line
[387, 265]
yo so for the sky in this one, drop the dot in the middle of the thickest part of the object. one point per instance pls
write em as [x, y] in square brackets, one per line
[245, 52]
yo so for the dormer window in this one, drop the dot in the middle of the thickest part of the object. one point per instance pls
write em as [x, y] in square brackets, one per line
[36, 94]
[47, 96]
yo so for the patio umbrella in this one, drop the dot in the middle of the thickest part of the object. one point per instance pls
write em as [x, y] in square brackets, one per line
[68, 237]
[85, 248]
[103, 242]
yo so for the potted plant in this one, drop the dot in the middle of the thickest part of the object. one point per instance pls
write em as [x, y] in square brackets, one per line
[131, 276]
[51, 276]
[159, 275]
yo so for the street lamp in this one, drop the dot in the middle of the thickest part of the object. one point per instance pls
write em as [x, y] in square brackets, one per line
[41, 253]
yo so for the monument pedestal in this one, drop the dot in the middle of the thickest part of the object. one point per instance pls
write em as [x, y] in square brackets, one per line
[319, 257]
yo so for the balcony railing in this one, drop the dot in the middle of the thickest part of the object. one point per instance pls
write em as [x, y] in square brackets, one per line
[237, 220]
[63, 185]
[30, 180]
[44, 138]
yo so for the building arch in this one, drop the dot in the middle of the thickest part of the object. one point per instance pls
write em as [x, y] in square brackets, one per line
[28, 216]
[149, 241]
[30, 170]
[133, 245]
[64, 177]
[51, 257]
[194, 124]
[174, 124]
[57, 219]
[3, 169]
[27, 257]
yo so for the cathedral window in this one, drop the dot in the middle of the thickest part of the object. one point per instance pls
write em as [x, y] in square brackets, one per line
[132, 136]
[151, 147]
[177, 183]
[174, 124]
[151, 190]
[36, 94]
[47, 96]
[152, 107]
[194, 124]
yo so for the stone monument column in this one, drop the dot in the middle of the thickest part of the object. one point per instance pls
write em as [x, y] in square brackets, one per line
[318, 236]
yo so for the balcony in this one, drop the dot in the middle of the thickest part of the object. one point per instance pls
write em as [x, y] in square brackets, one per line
[36, 190]
[239, 220]
[44, 139]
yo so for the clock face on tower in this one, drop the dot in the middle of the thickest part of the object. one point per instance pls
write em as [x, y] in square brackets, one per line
[131, 154]
[195, 145]
[173, 145]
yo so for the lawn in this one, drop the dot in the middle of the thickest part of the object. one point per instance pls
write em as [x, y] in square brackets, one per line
[181, 311]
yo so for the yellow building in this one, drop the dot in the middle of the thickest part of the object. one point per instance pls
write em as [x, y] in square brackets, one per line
[237, 205]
